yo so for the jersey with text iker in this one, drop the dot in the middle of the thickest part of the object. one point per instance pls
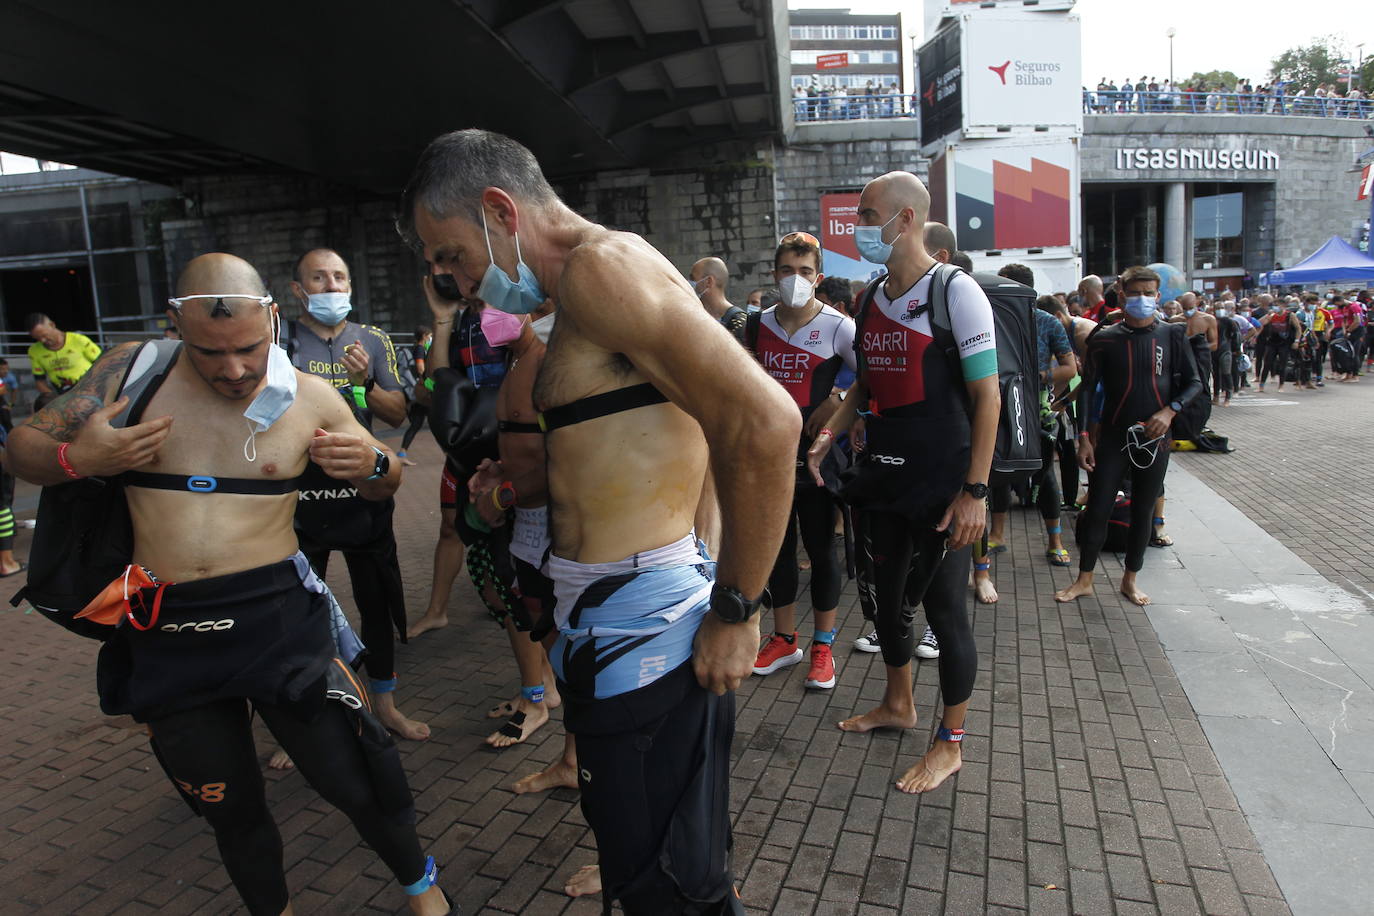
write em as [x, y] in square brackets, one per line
[806, 362]
[906, 371]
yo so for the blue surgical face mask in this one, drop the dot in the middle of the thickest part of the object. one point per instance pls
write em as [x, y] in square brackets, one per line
[698, 287]
[272, 401]
[1141, 306]
[518, 297]
[869, 241]
[328, 308]
[1189, 312]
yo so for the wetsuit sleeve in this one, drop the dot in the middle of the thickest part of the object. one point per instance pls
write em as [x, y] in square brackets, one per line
[1188, 381]
[382, 354]
[1089, 408]
[844, 344]
[970, 317]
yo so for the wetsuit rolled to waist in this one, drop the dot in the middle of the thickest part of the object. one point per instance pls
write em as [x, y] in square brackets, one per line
[262, 634]
[913, 463]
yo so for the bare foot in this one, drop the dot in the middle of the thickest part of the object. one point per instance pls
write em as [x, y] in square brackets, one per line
[7, 569]
[803, 564]
[431, 903]
[881, 717]
[396, 721]
[940, 762]
[586, 880]
[1078, 590]
[1134, 595]
[426, 623]
[984, 589]
[560, 775]
[503, 710]
[525, 721]
[280, 760]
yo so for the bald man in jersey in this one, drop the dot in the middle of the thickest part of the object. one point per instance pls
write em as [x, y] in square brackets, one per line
[709, 278]
[922, 483]
[640, 391]
[233, 413]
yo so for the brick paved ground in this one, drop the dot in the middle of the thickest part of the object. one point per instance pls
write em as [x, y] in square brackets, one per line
[1298, 473]
[1088, 788]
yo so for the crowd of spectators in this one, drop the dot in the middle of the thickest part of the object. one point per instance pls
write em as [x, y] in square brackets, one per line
[829, 102]
[1163, 97]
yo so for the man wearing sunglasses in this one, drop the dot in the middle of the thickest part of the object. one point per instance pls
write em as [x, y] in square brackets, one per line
[230, 620]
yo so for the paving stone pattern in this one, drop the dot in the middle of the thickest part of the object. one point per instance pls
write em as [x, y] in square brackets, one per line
[1297, 472]
[1088, 785]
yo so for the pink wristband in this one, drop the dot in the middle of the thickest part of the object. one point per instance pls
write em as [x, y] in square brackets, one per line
[64, 463]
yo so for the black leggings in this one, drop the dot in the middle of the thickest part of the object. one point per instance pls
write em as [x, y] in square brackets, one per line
[375, 574]
[1274, 359]
[901, 549]
[1113, 466]
[813, 510]
[1223, 372]
[417, 414]
[209, 752]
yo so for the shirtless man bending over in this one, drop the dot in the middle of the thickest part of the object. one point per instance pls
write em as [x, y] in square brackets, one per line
[640, 389]
[229, 553]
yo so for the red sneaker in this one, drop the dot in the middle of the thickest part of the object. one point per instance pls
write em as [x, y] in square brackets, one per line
[777, 653]
[822, 673]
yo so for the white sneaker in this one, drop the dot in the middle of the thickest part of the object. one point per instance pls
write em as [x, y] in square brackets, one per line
[929, 646]
[868, 642]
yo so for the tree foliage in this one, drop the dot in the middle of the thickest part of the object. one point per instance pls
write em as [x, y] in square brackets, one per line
[1308, 67]
[1366, 76]
[1213, 79]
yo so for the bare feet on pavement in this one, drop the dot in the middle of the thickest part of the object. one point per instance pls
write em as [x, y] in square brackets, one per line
[1132, 591]
[280, 760]
[940, 762]
[881, 717]
[985, 591]
[525, 721]
[586, 880]
[1079, 589]
[426, 623]
[396, 721]
[561, 774]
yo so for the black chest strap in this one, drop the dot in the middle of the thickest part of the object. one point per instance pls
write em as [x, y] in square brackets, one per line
[601, 405]
[510, 426]
[203, 483]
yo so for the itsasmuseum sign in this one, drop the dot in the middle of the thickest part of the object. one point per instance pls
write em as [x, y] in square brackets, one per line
[1143, 158]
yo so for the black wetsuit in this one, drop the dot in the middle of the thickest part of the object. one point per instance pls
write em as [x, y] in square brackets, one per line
[1224, 357]
[1142, 370]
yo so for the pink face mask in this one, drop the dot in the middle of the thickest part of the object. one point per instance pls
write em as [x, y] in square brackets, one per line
[501, 328]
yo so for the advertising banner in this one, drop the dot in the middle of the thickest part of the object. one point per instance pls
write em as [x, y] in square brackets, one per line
[940, 82]
[1014, 195]
[832, 61]
[1022, 70]
[839, 256]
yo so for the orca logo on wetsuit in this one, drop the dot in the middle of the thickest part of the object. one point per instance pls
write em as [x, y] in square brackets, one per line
[204, 626]
[894, 460]
[344, 697]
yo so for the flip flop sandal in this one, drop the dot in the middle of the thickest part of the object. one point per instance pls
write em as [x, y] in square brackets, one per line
[501, 710]
[1157, 539]
[996, 547]
[514, 727]
[1058, 556]
[22, 567]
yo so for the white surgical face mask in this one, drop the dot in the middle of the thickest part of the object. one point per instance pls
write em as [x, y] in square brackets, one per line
[543, 327]
[796, 291]
[328, 308]
[272, 401]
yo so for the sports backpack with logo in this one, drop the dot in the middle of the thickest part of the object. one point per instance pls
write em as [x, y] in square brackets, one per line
[84, 537]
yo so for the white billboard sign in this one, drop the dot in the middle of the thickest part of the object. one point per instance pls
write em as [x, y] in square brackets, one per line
[1022, 71]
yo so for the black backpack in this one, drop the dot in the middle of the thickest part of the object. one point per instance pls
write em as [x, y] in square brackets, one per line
[1017, 453]
[84, 537]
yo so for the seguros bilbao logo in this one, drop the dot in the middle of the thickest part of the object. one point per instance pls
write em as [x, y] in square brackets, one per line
[1027, 72]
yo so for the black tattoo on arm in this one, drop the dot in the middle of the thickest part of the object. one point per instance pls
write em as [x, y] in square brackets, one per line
[64, 416]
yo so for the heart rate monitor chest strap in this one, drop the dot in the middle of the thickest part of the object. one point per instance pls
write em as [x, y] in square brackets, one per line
[601, 405]
[202, 483]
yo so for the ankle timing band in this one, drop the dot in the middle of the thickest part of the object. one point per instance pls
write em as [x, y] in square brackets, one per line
[427, 880]
[823, 637]
[955, 735]
[982, 565]
[533, 694]
[382, 686]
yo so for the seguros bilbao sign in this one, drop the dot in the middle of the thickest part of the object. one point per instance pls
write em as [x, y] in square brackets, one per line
[1022, 71]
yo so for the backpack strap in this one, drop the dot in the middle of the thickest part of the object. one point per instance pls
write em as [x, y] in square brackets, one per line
[942, 328]
[865, 301]
[290, 343]
[152, 363]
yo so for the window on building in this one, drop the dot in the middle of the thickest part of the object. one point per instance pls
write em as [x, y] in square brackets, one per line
[1218, 228]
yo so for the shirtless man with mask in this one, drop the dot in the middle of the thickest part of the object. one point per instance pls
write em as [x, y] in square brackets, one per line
[640, 390]
[233, 413]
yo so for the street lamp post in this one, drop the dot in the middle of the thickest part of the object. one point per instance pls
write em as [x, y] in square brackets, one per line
[1171, 32]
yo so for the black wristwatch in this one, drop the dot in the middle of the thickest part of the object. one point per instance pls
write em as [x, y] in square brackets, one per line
[976, 490]
[382, 466]
[368, 385]
[731, 606]
[1175, 406]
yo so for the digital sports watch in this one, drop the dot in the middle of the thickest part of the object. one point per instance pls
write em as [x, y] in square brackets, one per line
[731, 606]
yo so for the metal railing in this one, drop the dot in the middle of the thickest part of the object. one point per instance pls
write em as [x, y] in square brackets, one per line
[829, 106]
[1130, 101]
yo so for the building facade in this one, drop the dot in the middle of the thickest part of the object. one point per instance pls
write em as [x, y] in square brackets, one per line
[836, 48]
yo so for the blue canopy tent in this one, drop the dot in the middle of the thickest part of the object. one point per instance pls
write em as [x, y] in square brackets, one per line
[1336, 261]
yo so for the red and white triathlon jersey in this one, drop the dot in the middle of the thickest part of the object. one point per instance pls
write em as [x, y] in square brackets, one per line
[807, 361]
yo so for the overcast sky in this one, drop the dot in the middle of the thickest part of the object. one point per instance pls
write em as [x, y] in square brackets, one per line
[1211, 34]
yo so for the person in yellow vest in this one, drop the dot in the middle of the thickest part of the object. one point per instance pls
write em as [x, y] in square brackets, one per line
[59, 357]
